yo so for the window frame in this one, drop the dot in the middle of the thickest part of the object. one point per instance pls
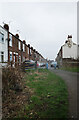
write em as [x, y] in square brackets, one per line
[10, 40]
[1, 34]
[10, 56]
[23, 47]
[19, 59]
[19, 45]
[2, 54]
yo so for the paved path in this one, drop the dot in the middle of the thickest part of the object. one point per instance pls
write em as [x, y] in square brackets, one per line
[71, 81]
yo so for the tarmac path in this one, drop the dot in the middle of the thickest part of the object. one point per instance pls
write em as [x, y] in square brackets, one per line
[71, 81]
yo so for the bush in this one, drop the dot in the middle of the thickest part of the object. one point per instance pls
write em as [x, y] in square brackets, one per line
[12, 86]
[11, 79]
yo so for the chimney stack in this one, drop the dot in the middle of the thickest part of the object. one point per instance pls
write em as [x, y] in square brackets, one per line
[6, 27]
[28, 45]
[32, 48]
[17, 36]
[24, 41]
[70, 38]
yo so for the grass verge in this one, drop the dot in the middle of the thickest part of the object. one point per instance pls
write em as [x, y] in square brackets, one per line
[49, 98]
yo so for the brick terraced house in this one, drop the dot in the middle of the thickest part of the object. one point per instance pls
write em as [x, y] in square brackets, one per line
[16, 51]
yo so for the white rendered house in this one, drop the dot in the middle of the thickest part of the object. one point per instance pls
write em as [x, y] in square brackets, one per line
[68, 51]
[3, 46]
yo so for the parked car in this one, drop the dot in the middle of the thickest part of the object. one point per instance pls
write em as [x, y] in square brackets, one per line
[42, 65]
[38, 64]
[29, 64]
[54, 65]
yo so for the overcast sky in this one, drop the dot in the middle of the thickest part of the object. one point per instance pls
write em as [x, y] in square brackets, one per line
[45, 25]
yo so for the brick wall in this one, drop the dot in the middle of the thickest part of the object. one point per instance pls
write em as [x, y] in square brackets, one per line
[19, 50]
[66, 62]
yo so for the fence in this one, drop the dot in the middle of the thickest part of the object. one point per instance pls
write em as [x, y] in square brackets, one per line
[22, 65]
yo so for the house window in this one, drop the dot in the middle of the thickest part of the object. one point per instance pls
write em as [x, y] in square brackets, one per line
[28, 51]
[2, 57]
[19, 45]
[10, 56]
[10, 38]
[24, 47]
[16, 57]
[1, 37]
[23, 59]
[19, 59]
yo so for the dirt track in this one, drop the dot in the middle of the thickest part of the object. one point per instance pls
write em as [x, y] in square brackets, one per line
[71, 81]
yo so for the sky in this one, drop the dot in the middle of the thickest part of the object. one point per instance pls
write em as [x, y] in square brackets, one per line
[44, 25]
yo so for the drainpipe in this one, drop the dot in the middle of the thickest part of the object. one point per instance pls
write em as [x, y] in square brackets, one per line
[29, 50]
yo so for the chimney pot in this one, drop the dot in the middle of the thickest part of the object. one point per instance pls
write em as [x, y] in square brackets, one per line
[69, 36]
[6, 27]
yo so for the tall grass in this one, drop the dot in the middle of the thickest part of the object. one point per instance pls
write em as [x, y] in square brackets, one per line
[50, 98]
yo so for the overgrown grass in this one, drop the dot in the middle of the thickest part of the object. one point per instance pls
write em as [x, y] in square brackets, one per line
[50, 98]
[71, 69]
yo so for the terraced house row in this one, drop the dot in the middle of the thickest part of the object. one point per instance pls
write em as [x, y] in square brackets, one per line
[15, 51]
